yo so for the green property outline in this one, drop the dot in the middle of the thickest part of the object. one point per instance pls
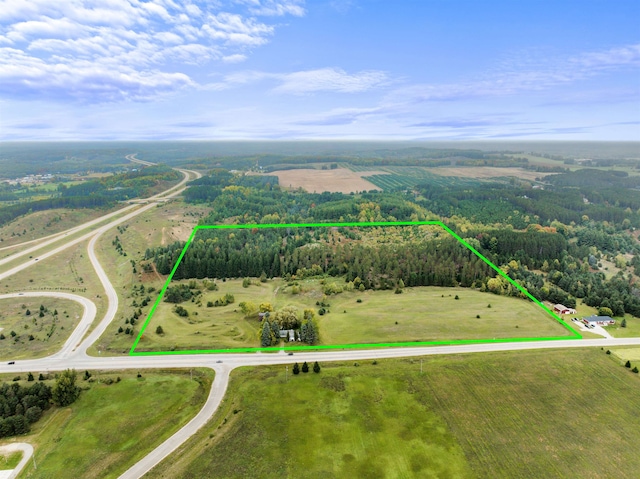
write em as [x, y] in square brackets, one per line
[132, 352]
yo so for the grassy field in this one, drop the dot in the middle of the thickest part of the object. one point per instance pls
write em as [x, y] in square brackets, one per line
[10, 461]
[418, 314]
[49, 332]
[43, 223]
[171, 222]
[112, 426]
[542, 414]
[627, 354]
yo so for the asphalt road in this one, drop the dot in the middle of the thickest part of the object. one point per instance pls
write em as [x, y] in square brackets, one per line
[75, 357]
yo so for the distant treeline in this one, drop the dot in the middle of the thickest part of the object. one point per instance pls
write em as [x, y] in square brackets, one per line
[521, 206]
[96, 193]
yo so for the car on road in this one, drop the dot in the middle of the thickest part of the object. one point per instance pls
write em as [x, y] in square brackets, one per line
[219, 361]
[290, 354]
[11, 362]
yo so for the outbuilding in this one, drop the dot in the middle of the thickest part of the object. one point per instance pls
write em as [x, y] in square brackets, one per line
[562, 309]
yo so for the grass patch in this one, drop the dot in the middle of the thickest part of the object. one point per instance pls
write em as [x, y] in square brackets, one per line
[10, 461]
[112, 426]
[543, 414]
[49, 332]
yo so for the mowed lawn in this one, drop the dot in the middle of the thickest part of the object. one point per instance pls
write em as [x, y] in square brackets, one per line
[110, 427]
[528, 414]
[433, 314]
[418, 314]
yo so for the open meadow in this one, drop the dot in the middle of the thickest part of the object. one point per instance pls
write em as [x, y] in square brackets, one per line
[114, 423]
[542, 414]
[369, 317]
[35, 327]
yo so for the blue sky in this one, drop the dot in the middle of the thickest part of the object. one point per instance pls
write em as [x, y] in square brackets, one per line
[316, 69]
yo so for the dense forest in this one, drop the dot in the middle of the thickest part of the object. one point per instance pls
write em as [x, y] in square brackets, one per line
[281, 252]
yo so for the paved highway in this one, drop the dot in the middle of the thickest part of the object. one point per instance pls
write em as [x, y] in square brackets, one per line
[73, 355]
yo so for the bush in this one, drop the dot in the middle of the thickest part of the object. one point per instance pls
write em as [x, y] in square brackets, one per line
[159, 330]
[627, 364]
[359, 300]
[477, 316]
[296, 368]
[457, 297]
[635, 369]
[180, 311]
[305, 367]
[316, 367]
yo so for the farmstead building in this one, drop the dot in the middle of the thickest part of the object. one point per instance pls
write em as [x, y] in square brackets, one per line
[562, 309]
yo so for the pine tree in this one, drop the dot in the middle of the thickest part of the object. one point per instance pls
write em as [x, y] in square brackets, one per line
[265, 337]
[296, 368]
[316, 367]
[305, 367]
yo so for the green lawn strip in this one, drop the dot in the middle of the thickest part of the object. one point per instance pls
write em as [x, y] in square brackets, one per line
[543, 414]
[111, 427]
[49, 332]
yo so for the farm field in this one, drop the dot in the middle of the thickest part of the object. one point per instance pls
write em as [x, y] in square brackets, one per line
[401, 177]
[511, 414]
[110, 427]
[418, 314]
[38, 333]
[340, 180]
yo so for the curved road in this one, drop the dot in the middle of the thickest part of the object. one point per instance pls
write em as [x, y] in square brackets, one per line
[73, 353]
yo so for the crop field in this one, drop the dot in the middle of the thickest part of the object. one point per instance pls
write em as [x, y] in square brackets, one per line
[402, 177]
[35, 327]
[418, 314]
[111, 426]
[339, 180]
[494, 415]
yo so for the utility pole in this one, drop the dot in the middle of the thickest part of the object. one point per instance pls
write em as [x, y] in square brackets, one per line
[286, 373]
[421, 366]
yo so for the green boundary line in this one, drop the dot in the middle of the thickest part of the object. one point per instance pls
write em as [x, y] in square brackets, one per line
[132, 352]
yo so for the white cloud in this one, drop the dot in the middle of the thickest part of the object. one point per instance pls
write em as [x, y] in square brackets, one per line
[136, 40]
[527, 74]
[330, 79]
[235, 58]
[311, 81]
[274, 7]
